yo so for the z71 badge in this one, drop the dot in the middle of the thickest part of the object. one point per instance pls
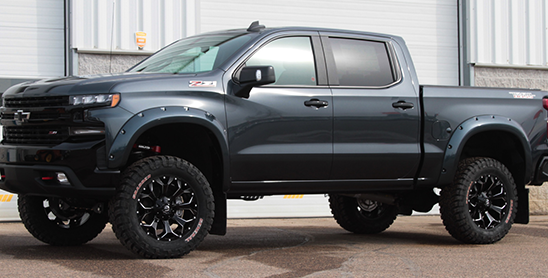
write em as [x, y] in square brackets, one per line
[202, 83]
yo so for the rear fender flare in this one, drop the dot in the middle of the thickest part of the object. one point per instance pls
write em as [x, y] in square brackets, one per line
[474, 126]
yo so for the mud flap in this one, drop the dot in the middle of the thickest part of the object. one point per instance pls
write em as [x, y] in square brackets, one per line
[522, 215]
[219, 221]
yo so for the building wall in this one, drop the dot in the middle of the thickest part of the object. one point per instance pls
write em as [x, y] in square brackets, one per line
[89, 64]
[508, 32]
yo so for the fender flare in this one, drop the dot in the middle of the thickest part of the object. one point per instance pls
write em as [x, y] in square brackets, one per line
[474, 126]
[119, 151]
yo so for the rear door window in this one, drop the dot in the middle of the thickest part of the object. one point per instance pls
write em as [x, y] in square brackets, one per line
[362, 62]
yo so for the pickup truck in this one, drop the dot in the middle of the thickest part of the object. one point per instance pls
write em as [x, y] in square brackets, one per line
[157, 150]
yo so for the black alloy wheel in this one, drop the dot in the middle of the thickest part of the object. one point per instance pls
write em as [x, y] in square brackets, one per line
[167, 208]
[487, 202]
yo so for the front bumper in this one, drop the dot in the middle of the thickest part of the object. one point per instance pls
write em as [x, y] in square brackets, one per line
[33, 170]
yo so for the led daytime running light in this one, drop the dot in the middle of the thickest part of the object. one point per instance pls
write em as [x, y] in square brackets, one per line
[102, 99]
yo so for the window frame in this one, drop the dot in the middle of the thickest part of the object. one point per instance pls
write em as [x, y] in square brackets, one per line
[317, 52]
[332, 66]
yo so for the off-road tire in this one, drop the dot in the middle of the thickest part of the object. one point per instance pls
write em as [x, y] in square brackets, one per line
[480, 206]
[59, 221]
[362, 216]
[163, 209]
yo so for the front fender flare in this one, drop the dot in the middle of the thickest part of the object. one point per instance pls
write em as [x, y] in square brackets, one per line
[474, 126]
[129, 133]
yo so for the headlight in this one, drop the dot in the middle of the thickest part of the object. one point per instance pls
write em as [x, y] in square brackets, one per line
[100, 100]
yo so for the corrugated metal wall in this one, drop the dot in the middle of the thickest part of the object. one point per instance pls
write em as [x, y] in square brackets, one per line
[508, 32]
[31, 38]
[429, 26]
[95, 22]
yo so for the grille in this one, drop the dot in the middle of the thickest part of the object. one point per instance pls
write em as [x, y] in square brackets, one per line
[35, 134]
[33, 116]
[36, 101]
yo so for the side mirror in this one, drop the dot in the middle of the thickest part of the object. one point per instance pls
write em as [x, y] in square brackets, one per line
[252, 76]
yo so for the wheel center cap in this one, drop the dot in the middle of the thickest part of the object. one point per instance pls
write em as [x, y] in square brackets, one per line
[166, 208]
[483, 199]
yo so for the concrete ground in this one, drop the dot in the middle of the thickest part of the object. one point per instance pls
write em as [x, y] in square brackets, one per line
[415, 246]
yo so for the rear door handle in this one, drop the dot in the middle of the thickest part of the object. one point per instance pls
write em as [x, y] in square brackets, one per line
[403, 105]
[316, 103]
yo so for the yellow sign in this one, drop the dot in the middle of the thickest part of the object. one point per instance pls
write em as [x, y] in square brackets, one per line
[141, 39]
[293, 196]
[5, 197]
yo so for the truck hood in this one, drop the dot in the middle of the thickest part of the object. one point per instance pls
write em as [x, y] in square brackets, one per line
[77, 85]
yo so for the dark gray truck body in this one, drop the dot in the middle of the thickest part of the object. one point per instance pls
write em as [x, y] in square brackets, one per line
[393, 140]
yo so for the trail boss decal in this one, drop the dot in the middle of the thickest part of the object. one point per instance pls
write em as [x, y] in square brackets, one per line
[202, 83]
[522, 95]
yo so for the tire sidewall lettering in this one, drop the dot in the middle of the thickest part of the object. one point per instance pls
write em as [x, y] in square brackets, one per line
[140, 185]
[188, 239]
[509, 216]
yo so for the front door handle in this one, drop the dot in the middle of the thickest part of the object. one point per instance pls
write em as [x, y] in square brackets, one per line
[316, 103]
[403, 105]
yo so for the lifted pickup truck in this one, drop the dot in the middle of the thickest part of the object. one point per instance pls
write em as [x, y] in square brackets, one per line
[159, 149]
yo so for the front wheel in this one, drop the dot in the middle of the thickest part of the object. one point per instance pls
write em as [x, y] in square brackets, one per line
[480, 206]
[164, 208]
[362, 216]
[57, 221]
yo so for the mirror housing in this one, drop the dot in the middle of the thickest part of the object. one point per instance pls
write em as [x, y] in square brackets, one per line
[248, 77]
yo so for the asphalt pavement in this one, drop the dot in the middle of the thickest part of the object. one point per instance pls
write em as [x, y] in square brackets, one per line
[415, 246]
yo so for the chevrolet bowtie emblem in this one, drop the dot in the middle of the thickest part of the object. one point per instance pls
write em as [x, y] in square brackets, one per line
[21, 117]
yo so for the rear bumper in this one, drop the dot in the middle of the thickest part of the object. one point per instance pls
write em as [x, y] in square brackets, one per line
[542, 172]
[33, 170]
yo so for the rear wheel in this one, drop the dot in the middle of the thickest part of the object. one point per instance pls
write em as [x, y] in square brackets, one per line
[164, 208]
[362, 216]
[480, 206]
[59, 221]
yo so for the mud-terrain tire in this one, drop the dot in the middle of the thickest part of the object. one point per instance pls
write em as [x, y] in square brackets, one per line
[163, 209]
[59, 221]
[362, 216]
[480, 206]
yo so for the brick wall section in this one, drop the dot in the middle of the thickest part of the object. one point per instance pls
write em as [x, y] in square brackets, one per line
[518, 78]
[99, 63]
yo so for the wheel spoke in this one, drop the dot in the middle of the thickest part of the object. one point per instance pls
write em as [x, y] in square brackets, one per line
[165, 186]
[151, 189]
[181, 189]
[182, 222]
[498, 210]
[167, 230]
[491, 220]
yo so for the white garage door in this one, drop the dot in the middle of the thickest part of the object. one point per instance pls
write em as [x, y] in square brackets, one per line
[428, 26]
[32, 39]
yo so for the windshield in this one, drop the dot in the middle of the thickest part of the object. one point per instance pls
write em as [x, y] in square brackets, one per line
[194, 54]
